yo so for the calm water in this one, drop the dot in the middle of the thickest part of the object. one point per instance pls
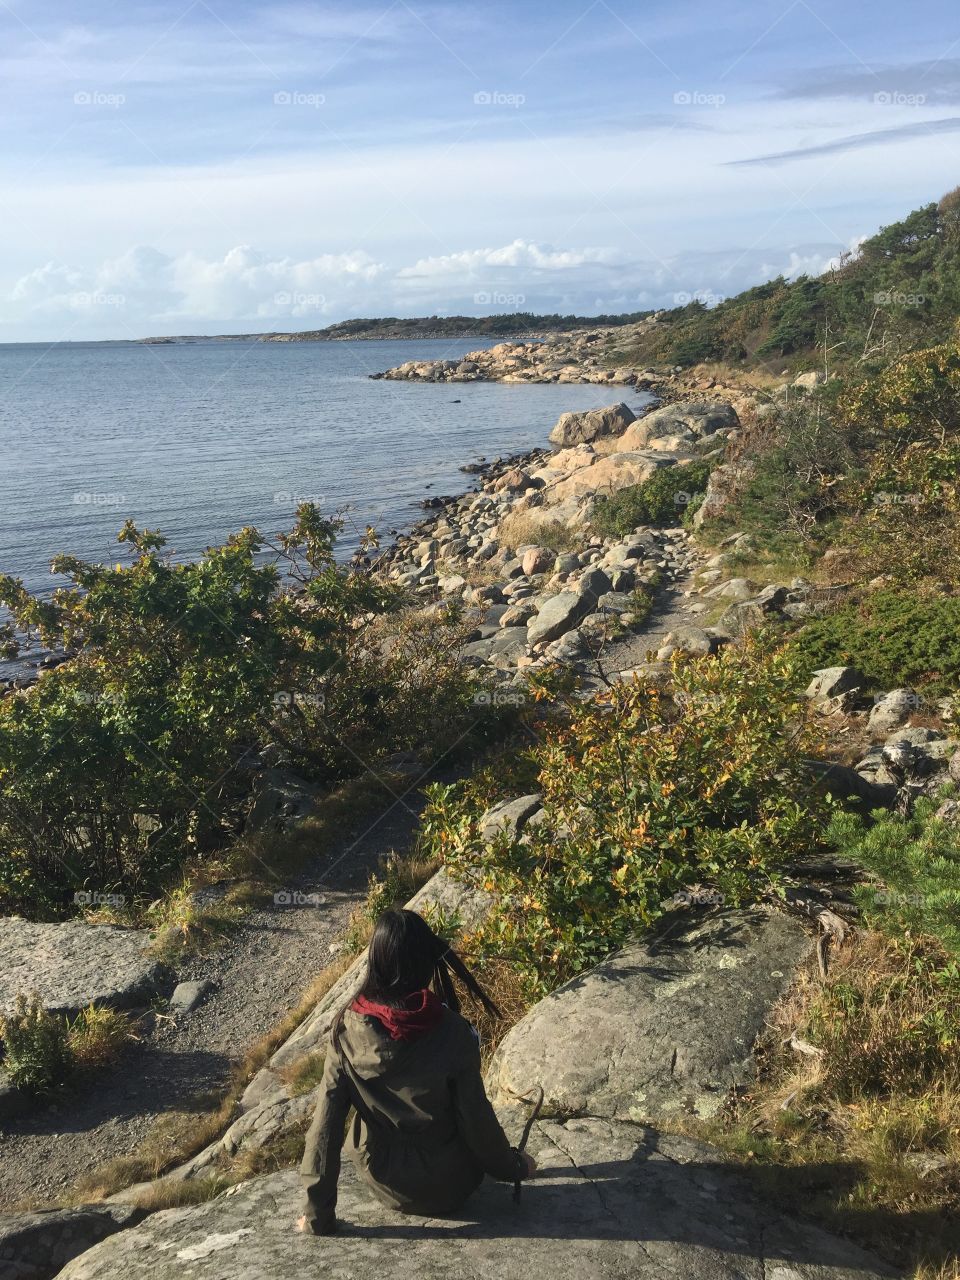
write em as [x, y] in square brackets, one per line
[199, 440]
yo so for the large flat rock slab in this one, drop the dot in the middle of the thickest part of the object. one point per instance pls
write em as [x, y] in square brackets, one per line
[611, 1200]
[664, 1027]
[69, 966]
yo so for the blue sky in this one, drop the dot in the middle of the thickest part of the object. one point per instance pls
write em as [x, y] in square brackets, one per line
[220, 167]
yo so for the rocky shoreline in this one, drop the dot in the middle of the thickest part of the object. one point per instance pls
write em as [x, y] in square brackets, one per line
[577, 356]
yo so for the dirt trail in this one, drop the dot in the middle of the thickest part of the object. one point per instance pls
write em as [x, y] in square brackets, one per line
[259, 974]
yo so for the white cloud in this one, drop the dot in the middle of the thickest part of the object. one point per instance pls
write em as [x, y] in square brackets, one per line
[145, 291]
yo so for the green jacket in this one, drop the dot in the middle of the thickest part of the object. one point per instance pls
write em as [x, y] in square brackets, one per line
[424, 1133]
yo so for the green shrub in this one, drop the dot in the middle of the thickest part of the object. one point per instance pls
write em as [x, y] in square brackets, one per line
[894, 637]
[646, 792]
[37, 1053]
[661, 499]
[918, 860]
[123, 762]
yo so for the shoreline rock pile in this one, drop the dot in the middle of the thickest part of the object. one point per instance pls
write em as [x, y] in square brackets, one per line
[576, 356]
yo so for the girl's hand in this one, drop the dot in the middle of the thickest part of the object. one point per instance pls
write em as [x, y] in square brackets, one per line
[529, 1165]
[316, 1228]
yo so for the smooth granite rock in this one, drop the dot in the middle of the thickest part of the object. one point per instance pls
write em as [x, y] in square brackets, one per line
[34, 1246]
[69, 966]
[660, 1028]
[611, 1201]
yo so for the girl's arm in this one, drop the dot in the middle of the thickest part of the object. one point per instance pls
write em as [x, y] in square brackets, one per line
[477, 1121]
[321, 1158]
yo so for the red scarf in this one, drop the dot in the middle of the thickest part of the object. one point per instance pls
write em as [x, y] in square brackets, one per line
[420, 1012]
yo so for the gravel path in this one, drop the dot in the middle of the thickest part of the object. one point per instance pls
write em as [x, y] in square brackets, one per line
[259, 974]
[671, 609]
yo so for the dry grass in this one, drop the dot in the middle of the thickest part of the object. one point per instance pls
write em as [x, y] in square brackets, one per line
[170, 1193]
[504, 987]
[864, 1134]
[521, 528]
[97, 1035]
[283, 1150]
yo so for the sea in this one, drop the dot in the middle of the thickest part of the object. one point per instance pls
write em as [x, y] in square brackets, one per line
[198, 439]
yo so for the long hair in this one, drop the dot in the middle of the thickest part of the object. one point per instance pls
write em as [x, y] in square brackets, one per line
[405, 955]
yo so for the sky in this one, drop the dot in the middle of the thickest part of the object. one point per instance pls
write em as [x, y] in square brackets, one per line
[219, 166]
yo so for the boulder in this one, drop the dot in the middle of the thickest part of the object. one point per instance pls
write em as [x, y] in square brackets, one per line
[187, 995]
[723, 486]
[538, 560]
[609, 1200]
[280, 799]
[35, 1246]
[70, 966]
[739, 589]
[692, 640]
[510, 816]
[608, 474]
[662, 1027]
[830, 682]
[592, 424]
[506, 645]
[690, 420]
[891, 711]
[560, 614]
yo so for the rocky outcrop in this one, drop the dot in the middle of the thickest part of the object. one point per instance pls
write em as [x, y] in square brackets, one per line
[681, 424]
[35, 1246]
[70, 966]
[580, 355]
[609, 1200]
[662, 1027]
[593, 424]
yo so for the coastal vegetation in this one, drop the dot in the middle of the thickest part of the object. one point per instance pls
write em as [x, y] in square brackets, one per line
[683, 788]
[898, 292]
[135, 756]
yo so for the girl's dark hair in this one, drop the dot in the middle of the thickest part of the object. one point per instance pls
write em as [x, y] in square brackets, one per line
[405, 956]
